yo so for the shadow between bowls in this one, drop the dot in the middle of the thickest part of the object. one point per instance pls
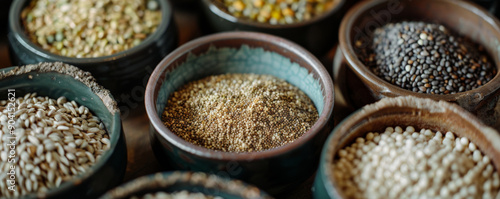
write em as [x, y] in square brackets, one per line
[317, 35]
[402, 111]
[45, 80]
[460, 16]
[122, 73]
[193, 182]
[275, 170]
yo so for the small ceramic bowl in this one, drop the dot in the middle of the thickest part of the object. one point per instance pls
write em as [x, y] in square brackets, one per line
[192, 182]
[402, 111]
[317, 35]
[53, 80]
[273, 170]
[462, 17]
[120, 72]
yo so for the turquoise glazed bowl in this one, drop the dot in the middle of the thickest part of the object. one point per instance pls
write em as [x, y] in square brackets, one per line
[402, 111]
[123, 73]
[275, 170]
[318, 35]
[193, 182]
[55, 80]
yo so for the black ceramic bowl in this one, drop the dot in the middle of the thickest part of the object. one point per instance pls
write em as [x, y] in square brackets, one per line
[318, 35]
[275, 170]
[124, 73]
[171, 182]
[45, 80]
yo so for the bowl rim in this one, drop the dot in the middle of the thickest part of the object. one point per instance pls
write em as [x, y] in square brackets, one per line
[161, 129]
[166, 179]
[215, 7]
[356, 119]
[114, 136]
[362, 71]
[19, 34]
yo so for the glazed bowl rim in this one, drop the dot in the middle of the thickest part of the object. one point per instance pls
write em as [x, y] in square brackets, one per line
[263, 39]
[359, 68]
[17, 30]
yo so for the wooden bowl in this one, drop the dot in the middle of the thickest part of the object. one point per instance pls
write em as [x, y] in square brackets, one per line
[403, 111]
[462, 17]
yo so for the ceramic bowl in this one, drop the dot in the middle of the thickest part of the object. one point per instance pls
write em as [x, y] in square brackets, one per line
[45, 80]
[462, 17]
[402, 111]
[192, 182]
[274, 170]
[317, 35]
[124, 73]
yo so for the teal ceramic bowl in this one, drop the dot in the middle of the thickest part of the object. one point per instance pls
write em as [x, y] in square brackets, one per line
[192, 182]
[54, 80]
[402, 111]
[275, 170]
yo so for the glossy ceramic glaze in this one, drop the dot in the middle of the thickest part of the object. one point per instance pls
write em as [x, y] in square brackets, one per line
[460, 16]
[317, 35]
[274, 170]
[194, 182]
[120, 72]
[402, 111]
[110, 169]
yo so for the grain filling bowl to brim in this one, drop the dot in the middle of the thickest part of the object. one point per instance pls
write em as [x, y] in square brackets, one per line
[274, 170]
[318, 35]
[55, 80]
[462, 17]
[118, 72]
[402, 111]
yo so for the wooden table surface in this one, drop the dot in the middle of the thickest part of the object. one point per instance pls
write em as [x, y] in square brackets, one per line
[141, 160]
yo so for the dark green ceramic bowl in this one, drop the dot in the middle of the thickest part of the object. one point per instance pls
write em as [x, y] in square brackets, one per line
[170, 182]
[276, 170]
[108, 172]
[123, 73]
[318, 35]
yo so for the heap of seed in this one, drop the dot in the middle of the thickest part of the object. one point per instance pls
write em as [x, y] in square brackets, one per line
[279, 11]
[176, 195]
[239, 112]
[425, 58]
[90, 28]
[410, 164]
[55, 141]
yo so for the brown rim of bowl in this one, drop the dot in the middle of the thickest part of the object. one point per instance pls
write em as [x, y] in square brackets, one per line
[20, 34]
[154, 84]
[342, 135]
[392, 90]
[216, 7]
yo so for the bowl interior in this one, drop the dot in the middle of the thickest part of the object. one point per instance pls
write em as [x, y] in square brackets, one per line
[426, 114]
[461, 17]
[243, 59]
[16, 25]
[55, 85]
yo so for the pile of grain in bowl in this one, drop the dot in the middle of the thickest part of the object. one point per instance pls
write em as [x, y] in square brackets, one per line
[411, 164]
[46, 142]
[176, 195]
[279, 11]
[239, 112]
[425, 58]
[90, 28]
